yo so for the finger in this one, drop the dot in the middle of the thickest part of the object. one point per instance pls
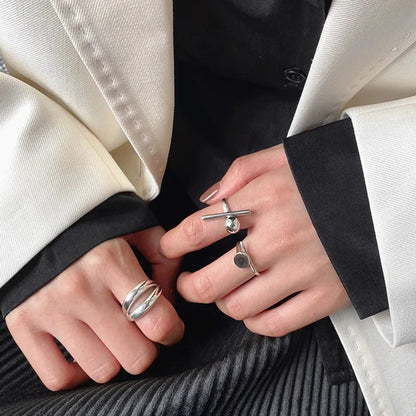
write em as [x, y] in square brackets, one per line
[289, 273]
[193, 233]
[165, 271]
[303, 309]
[161, 323]
[243, 170]
[87, 350]
[55, 372]
[258, 294]
[219, 278]
[130, 347]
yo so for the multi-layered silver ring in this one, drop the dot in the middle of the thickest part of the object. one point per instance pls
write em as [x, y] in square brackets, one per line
[140, 306]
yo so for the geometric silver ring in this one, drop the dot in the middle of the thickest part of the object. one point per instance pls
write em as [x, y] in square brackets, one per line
[232, 224]
[142, 307]
[242, 259]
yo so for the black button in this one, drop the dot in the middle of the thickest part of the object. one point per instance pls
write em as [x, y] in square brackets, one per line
[294, 75]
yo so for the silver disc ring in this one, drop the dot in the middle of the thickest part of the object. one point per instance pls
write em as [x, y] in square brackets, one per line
[242, 259]
[140, 307]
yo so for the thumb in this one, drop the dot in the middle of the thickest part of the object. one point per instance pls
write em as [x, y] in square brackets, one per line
[243, 170]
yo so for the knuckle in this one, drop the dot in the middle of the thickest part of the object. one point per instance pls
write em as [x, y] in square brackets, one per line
[233, 308]
[279, 188]
[292, 238]
[17, 319]
[139, 363]
[55, 382]
[110, 251]
[238, 167]
[160, 328]
[73, 286]
[193, 230]
[95, 257]
[204, 289]
[105, 371]
[275, 190]
[315, 268]
[113, 250]
[276, 326]
[287, 239]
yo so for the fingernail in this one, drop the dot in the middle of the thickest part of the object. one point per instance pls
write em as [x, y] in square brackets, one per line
[210, 192]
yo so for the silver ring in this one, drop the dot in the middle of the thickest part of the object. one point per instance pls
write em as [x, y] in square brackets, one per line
[232, 224]
[242, 259]
[144, 305]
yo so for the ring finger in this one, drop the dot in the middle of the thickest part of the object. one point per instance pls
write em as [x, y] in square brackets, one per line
[259, 294]
[222, 276]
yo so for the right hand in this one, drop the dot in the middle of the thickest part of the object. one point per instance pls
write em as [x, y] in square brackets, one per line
[81, 308]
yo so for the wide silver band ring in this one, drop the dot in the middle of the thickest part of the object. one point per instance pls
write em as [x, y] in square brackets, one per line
[140, 307]
[242, 259]
[232, 224]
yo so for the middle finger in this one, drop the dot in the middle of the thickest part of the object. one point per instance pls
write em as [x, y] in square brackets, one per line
[160, 323]
[133, 350]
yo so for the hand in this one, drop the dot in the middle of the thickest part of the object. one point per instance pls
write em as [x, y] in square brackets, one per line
[81, 308]
[281, 241]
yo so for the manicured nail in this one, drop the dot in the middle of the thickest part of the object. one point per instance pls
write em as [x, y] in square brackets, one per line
[210, 192]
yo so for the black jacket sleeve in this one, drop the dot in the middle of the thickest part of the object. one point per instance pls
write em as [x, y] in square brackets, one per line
[121, 214]
[327, 169]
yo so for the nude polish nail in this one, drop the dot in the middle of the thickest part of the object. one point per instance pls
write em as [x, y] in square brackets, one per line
[210, 192]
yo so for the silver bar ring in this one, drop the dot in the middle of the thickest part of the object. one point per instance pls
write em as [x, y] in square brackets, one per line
[232, 224]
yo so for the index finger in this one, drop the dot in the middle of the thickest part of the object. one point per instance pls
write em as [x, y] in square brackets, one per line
[193, 233]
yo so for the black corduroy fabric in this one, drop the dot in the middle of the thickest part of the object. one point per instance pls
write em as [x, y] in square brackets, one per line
[251, 375]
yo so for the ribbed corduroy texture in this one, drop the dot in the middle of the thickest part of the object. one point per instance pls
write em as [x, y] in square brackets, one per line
[261, 376]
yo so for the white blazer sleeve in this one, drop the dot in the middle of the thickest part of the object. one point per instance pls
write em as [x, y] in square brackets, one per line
[53, 170]
[386, 139]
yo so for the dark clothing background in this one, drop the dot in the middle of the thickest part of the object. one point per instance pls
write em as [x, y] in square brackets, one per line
[232, 96]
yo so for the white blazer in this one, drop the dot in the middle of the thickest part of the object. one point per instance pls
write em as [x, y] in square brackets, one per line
[86, 112]
[365, 68]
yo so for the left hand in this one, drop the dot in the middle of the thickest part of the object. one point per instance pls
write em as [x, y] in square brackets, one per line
[81, 307]
[281, 242]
